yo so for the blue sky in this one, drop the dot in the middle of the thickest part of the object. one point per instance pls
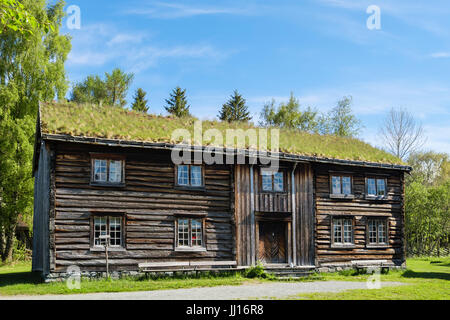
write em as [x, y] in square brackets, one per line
[321, 50]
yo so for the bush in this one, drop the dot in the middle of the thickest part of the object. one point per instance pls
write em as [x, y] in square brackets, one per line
[20, 252]
[258, 272]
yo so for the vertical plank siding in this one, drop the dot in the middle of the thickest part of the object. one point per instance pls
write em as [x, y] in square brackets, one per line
[40, 261]
[243, 215]
[272, 201]
[360, 209]
[270, 206]
[304, 214]
[149, 203]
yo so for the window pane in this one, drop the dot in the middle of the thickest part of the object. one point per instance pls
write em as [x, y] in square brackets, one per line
[278, 182]
[115, 225]
[183, 175]
[115, 171]
[381, 232]
[372, 231]
[337, 230]
[183, 232]
[371, 187]
[196, 176]
[266, 180]
[100, 170]
[196, 226]
[348, 231]
[381, 187]
[336, 185]
[346, 185]
[99, 230]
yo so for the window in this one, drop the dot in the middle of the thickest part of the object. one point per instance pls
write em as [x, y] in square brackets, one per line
[341, 185]
[342, 231]
[377, 231]
[189, 176]
[107, 171]
[190, 233]
[272, 181]
[376, 187]
[107, 226]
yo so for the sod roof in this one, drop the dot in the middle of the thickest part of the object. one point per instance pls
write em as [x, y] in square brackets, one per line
[117, 123]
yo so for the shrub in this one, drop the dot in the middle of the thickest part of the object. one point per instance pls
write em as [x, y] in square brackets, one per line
[258, 272]
[20, 252]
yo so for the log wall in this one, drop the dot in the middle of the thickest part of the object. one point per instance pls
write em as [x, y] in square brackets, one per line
[360, 209]
[149, 202]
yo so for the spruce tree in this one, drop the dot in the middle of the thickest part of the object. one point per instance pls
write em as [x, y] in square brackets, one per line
[140, 104]
[235, 109]
[177, 104]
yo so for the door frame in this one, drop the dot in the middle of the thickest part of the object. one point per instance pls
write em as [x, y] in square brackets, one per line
[288, 234]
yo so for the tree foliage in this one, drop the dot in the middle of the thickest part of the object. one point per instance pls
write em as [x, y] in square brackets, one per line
[117, 84]
[91, 90]
[340, 121]
[427, 203]
[16, 17]
[31, 70]
[177, 104]
[427, 213]
[140, 103]
[289, 115]
[430, 168]
[111, 91]
[235, 109]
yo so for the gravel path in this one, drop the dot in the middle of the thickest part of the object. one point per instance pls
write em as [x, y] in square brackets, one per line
[246, 291]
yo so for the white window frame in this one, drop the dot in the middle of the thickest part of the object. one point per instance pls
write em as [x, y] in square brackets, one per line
[378, 222]
[107, 231]
[190, 233]
[190, 177]
[272, 175]
[341, 184]
[377, 189]
[107, 180]
[342, 223]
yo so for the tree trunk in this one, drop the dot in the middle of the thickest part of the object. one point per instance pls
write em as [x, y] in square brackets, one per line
[2, 241]
[9, 243]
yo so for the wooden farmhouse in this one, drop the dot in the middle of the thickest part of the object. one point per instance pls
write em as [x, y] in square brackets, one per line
[105, 177]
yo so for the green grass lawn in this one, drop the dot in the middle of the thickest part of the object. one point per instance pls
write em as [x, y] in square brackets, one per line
[18, 280]
[426, 278]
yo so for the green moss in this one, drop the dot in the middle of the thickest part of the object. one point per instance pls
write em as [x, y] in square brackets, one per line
[117, 123]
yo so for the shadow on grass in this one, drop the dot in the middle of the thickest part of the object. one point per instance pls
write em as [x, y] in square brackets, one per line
[426, 275]
[9, 279]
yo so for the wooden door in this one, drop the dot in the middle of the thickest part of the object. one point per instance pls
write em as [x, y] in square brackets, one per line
[272, 242]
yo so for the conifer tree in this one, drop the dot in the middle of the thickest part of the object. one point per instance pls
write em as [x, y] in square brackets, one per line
[177, 103]
[140, 103]
[235, 109]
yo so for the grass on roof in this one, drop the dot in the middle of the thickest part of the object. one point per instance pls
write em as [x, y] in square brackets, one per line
[117, 123]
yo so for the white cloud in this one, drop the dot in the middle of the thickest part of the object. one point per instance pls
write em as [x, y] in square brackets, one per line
[123, 38]
[438, 55]
[149, 56]
[438, 138]
[164, 10]
[97, 45]
[88, 58]
[418, 14]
